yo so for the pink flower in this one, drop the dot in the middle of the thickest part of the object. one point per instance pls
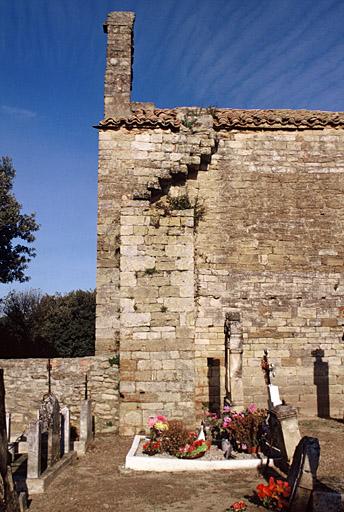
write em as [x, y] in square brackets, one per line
[163, 419]
[226, 408]
[151, 421]
[252, 408]
[226, 421]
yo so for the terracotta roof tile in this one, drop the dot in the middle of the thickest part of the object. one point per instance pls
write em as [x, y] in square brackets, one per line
[276, 119]
[227, 119]
[164, 118]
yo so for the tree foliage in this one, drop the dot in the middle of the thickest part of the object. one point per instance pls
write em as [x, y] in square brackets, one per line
[37, 325]
[16, 229]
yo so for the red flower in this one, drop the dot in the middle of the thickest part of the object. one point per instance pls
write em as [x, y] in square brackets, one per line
[238, 506]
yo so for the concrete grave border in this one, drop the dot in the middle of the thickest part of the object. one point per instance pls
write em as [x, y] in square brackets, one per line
[140, 463]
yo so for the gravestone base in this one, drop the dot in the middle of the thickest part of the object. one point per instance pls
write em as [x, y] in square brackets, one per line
[329, 495]
[40, 484]
[80, 447]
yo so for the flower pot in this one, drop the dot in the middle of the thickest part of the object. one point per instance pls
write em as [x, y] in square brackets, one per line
[197, 456]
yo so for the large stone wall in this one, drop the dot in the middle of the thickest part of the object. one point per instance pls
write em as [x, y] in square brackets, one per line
[275, 218]
[26, 382]
[262, 228]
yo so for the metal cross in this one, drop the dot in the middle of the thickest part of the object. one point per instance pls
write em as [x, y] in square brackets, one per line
[86, 386]
[267, 367]
[49, 376]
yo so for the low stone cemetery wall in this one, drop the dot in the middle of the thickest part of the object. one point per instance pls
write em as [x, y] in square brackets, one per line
[26, 380]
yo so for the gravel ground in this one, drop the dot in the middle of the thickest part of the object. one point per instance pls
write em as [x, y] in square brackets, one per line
[96, 482]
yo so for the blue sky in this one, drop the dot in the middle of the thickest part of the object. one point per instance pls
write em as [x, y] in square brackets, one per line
[226, 53]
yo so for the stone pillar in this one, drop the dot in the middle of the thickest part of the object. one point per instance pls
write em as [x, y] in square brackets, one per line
[65, 412]
[234, 350]
[119, 55]
[34, 449]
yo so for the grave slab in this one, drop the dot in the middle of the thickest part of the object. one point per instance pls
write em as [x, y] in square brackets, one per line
[143, 463]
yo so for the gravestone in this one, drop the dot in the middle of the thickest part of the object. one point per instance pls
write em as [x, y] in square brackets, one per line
[284, 426]
[86, 427]
[48, 444]
[302, 474]
[34, 453]
[49, 415]
[8, 496]
[283, 423]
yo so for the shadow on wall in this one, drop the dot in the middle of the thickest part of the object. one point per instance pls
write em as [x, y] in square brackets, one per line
[214, 384]
[321, 381]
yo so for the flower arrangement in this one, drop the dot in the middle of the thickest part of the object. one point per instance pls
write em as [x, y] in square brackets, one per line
[245, 430]
[175, 437]
[157, 424]
[152, 447]
[238, 506]
[171, 436]
[274, 495]
[194, 450]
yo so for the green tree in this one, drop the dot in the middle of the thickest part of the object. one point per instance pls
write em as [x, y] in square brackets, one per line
[16, 229]
[37, 325]
[19, 325]
[68, 323]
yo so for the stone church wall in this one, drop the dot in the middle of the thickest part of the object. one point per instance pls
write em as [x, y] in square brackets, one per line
[270, 246]
[264, 192]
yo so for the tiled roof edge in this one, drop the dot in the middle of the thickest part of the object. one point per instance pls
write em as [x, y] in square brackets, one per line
[164, 118]
[228, 119]
[276, 119]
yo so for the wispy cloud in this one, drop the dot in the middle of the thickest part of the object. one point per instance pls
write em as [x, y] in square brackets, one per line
[19, 113]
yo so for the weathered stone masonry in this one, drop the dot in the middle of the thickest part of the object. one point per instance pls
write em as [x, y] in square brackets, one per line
[26, 382]
[209, 211]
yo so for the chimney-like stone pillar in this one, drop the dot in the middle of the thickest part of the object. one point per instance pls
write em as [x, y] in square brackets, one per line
[119, 55]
